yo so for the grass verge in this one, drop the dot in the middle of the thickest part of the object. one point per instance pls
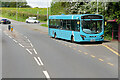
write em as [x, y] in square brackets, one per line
[44, 25]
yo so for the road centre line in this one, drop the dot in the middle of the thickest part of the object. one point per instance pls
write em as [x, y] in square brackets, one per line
[46, 74]
[40, 61]
[28, 40]
[35, 51]
[29, 51]
[14, 40]
[111, 49]
[37, 61]
[21, 45]
[25, 36]
[31, 44]
[10, 37]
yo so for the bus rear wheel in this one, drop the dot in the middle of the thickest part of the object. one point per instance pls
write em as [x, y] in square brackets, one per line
[72, 39]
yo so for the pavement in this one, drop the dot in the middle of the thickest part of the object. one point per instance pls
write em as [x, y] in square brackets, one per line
[28, 52]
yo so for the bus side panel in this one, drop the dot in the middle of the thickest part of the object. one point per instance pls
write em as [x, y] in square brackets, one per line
[66, 34]
[51, 32]
[77, 37]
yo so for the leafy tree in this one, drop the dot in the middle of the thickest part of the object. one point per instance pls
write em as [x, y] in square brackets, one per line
[14, 4]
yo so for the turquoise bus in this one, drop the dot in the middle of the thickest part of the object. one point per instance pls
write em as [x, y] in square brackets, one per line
[77, 28]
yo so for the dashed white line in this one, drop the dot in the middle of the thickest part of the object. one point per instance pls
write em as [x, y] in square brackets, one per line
[25, 36]
[31, 44]
[28, 40]
[46, 74]
[21, 45]
[14, 40]
[35, 51]
[10, 37]
[37, 61]
[29, 51]
[40, 61]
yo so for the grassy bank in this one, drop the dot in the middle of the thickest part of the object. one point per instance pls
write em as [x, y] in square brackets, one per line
[24, 13]
[44, 25]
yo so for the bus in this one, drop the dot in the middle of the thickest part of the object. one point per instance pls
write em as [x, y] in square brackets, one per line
[77, 28]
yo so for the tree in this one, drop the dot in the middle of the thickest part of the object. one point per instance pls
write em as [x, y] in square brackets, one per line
[14, 4]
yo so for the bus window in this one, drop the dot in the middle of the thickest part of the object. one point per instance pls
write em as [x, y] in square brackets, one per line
[51, 22]
[58, 24]
[77, 25]
[68, 27]
[73, 25]
[64, 24]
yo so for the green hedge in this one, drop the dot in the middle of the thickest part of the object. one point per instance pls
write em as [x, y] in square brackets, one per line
[24, 15]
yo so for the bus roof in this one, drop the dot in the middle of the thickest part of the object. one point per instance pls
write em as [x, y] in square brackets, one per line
[77, 16]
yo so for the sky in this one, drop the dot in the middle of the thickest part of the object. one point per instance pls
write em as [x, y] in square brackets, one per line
[39, 3]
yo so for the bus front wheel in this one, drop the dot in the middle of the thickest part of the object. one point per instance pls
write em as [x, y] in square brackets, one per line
[55, 35]
[72, 39]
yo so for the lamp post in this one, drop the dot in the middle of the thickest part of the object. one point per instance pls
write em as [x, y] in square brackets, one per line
[97, 6]
[47, 13]
[16, 9]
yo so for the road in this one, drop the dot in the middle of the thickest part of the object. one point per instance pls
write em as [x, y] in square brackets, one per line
[31, 53]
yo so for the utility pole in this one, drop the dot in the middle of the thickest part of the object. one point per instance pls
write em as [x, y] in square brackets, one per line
[16, 9]
[47, 13]
[97, 6]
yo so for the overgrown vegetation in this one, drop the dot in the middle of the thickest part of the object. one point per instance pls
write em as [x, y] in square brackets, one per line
[24, 13]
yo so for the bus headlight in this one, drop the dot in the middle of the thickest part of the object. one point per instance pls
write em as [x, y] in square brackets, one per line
[83, 36]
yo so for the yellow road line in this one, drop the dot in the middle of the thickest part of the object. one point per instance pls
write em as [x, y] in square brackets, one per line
[85, 53]
[92, 56]
[100, 59]
[110, 64]
[111, 49]
[70, 46]
[79, 50]
[74, 48]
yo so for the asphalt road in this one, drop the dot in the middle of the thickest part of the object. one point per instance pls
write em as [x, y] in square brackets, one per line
[31, 53]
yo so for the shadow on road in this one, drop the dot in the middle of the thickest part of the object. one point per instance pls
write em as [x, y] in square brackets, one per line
[85, 43]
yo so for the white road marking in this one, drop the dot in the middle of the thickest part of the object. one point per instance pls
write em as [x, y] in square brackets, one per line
[10, 37]
[35, 51]
[40, 61]
[6, 34]
[29, 51]
[28, 40]
[14, 40]
[25, 36]
[31, 44]
[0, 29]
[46, 74]
[37, 61]
[21, 45]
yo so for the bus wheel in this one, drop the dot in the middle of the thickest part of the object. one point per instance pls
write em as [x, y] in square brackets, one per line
[55, 35]
[72, 39]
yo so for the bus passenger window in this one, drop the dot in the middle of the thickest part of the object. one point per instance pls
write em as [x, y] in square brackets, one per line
[77, 25]
[73, 25]
[64, 24]
[68, 27]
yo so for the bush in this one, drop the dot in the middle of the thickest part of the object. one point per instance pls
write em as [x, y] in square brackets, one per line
[24, 15]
